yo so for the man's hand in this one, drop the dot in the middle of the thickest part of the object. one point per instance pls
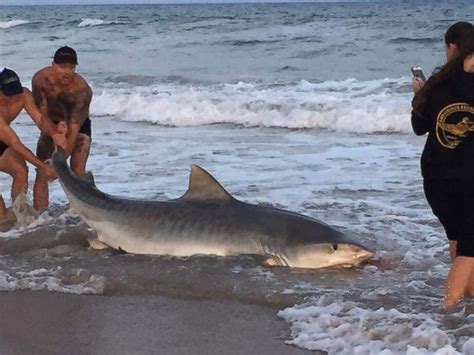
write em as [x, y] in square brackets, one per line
[416, 84]
[62, 127]
[49, 171]
[59, 138]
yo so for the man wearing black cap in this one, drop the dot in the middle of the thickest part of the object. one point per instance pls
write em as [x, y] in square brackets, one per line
[13, 154]
[63, 96]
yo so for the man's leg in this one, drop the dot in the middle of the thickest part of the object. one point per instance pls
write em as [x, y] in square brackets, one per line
[40, 192]
[80, 154]
[3, 208]
[13, 164]
[44, 150]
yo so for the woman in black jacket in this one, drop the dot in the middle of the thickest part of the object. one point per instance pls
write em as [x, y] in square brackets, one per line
[444, 108]
[454, 41]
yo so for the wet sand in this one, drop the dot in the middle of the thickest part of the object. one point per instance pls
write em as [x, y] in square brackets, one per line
[57, 323]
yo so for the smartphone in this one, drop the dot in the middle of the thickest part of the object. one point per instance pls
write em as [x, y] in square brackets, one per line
[418, 73]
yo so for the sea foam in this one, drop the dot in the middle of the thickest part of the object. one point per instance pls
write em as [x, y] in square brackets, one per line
[346, 328]
[347, 106]
[90, 22]
[13, 23]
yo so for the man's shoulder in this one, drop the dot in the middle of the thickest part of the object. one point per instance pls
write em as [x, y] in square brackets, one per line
[82, 88]
[41, 75]
[81, 83]
[25, 94]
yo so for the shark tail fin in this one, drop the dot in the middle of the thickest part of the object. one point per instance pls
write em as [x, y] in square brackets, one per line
[88, 178]
[59, 156]
[62, 168]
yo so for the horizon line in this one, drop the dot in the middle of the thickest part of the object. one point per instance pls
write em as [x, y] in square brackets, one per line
[211, 2]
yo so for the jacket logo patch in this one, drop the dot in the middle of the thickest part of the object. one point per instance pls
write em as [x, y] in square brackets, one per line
[454, 123]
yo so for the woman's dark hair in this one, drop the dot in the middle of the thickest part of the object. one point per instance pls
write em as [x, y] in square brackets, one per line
[456, 33]
[446, 71]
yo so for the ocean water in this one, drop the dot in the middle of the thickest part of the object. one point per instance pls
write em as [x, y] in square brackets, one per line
[303, 106]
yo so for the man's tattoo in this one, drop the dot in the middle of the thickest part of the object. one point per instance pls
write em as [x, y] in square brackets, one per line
[80, 111]
[37, 95]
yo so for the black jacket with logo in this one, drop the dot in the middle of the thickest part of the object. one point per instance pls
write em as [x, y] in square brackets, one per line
[448, 117]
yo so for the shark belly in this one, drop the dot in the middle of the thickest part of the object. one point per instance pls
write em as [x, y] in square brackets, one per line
[126, 232]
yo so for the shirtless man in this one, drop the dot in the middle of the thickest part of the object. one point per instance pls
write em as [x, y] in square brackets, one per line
[13, 154]
[64, 96]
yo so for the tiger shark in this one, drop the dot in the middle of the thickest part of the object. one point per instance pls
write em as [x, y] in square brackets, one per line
[207, 220]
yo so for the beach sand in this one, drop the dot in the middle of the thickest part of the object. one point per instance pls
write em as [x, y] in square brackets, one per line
[56, 323]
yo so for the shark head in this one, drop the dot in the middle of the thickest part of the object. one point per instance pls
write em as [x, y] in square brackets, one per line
[326, 255]
[309, 243]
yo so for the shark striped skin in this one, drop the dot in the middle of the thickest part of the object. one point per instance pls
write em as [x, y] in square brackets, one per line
[207, 220]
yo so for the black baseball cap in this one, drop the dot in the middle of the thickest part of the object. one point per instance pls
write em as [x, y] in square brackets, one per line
[65, 55]
[10, 83]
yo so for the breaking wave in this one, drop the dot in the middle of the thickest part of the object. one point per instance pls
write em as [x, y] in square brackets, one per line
[12, 23]
[90, 22]
[349, 105]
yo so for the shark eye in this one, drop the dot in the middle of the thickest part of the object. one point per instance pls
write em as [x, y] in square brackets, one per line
[334, 246]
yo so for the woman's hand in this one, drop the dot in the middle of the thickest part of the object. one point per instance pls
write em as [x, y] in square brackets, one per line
[416, 84]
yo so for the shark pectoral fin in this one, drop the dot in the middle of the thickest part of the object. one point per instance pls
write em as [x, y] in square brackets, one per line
[97, 244]
[272, 261]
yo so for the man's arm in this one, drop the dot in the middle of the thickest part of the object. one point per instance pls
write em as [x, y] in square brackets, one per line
[37, 92]
[79, 114]
[45, 124]
[9, 137]
[39, 103]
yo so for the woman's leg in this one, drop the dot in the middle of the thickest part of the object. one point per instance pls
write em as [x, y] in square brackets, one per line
[452, 249]
[459, 280]
[470, 287]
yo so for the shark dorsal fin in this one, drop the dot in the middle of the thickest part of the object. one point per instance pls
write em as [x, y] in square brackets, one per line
[202, 186]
